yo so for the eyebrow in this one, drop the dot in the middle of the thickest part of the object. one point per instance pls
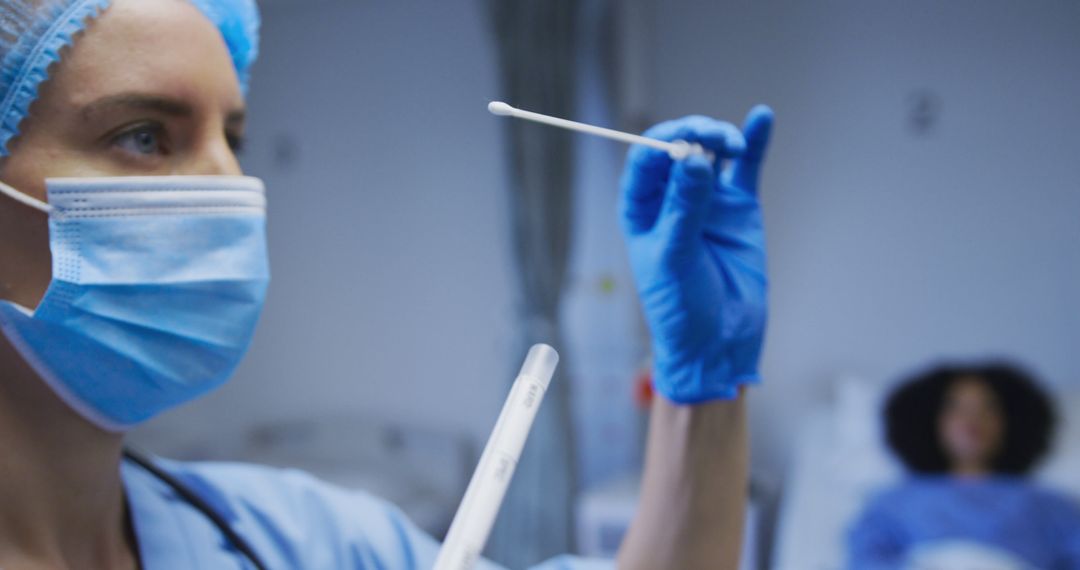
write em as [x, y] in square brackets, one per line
[152, 103]
[137, 102]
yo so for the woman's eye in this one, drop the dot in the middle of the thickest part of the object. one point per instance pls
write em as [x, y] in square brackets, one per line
[143, 141]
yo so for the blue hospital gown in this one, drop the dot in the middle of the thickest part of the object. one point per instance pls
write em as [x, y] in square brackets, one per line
[291, 520]
[1036, 525]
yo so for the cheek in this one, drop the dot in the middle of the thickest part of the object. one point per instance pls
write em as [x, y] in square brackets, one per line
[38, 157]
[995, 429]
[962, 429]
[971, 433]
[950, 428]
[23, 170]
[25, 260]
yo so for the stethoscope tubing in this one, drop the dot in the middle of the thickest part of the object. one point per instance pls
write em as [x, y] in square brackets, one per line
[200, 504]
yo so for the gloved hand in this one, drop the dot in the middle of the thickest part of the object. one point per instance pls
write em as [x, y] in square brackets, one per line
[697, 250]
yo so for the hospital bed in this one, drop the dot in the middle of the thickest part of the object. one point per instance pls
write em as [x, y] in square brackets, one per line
[840, 461]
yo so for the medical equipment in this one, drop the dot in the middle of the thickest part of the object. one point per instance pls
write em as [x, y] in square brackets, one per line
[200, 504]
[238, 21]
[157, 284]
[35, 33]
[480, 505]
[677, 149]
[697, 251]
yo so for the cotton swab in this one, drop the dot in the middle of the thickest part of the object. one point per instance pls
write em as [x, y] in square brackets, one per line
[677, 150]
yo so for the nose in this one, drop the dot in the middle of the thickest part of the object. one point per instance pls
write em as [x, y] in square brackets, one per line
[216, 158]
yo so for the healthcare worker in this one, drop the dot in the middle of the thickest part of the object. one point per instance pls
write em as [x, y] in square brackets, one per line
[133, 268]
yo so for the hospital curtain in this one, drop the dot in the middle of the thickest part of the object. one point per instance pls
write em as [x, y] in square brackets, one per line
[535, 42]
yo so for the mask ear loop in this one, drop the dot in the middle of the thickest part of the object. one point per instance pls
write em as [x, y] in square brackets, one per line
[24, 199]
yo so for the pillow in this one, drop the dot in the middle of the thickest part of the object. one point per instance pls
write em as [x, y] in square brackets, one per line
[858, 452]
[1064, 461]
[963, 555]
[857, 412]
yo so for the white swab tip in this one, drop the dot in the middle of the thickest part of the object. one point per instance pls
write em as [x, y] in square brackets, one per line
[680, 149]
[500, 108]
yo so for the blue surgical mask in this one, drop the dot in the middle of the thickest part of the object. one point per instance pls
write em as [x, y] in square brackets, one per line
[157, 284]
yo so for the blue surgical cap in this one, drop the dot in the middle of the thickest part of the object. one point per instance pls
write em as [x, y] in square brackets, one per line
[33, 33]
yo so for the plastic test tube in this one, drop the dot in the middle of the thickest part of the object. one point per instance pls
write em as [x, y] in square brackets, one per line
[476, 515]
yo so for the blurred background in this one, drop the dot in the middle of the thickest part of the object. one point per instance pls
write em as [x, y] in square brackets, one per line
[921, 198]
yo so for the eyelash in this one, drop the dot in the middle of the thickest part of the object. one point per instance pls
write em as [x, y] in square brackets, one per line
[235, 141]
[157, 130]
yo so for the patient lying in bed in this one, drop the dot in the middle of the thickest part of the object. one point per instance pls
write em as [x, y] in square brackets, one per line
[968, 436]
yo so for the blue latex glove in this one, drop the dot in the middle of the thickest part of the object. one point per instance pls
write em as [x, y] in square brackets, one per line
[697, 250]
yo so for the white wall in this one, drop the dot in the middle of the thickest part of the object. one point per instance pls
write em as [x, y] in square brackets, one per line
[887, 248]
[391, 293]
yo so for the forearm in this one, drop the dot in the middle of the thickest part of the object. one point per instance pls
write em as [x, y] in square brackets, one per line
[694, 488]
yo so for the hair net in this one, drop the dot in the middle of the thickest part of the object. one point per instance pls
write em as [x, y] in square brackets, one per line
[238, 21]
[33, 33]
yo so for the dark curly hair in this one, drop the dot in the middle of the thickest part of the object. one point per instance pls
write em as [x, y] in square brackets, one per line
[913, 409]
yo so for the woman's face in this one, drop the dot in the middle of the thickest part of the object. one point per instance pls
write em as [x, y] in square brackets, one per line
[971, 426]
[148, 89]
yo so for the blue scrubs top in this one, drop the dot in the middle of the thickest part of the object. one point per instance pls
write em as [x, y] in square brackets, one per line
[290, 519]
[1038, 526]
